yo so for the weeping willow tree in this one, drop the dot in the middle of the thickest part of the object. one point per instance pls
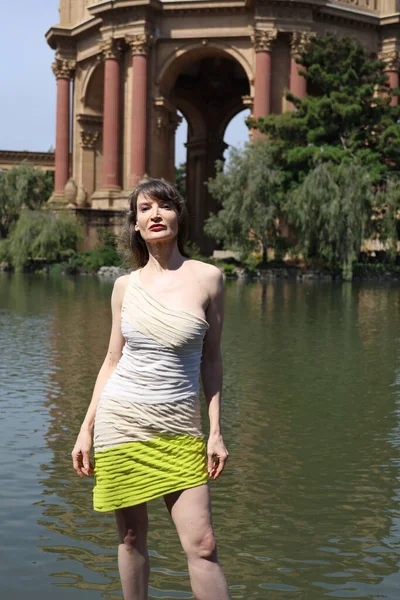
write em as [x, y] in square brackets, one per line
[332, 211]
[21, 187]
[249, 191]
[43, 235]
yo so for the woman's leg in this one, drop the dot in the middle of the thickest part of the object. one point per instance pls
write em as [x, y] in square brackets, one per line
[191, 513]
[133, 558]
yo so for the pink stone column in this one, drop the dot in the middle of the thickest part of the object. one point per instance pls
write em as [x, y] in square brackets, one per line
[262, 88]
[62, 71]
[298, 84]
[263, 41]
[111, 117]
[392, 60]
[394, 83]
[140, 46]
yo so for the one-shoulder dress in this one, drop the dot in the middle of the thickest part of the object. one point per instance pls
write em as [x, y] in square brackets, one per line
[147, 435]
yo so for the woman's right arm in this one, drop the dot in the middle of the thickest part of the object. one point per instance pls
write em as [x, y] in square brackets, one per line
[83, 444]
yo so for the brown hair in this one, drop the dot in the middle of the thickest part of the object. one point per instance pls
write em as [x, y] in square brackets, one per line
[132, 245]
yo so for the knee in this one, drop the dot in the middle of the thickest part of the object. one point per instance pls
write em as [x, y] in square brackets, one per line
[203, 547]
[130, 540]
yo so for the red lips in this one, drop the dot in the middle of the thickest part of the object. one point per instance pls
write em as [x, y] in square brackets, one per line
[157, 227]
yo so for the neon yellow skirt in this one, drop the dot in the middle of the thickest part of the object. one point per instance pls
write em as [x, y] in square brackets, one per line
[139, 471]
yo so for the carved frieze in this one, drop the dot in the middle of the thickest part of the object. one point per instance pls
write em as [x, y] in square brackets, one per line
[263, 39]
[364, 4]
[63, 68]
[283, 12]
[111, 48]
[140, 43]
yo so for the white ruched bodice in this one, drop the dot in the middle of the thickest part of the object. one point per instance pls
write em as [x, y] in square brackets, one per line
[162, 354]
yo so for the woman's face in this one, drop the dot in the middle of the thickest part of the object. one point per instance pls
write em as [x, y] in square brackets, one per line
[157, 221]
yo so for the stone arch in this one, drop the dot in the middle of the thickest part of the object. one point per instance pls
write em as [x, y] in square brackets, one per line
[229, 117]
[196, 124]
[208, 83]
[93, 88]
[178, 59]
[90, 122]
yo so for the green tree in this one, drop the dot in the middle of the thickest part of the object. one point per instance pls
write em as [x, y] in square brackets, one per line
[21, 187]
[43, 235]
[332, 211]
[249, 191]
[387, 215]
[180, 179]
[346, 117]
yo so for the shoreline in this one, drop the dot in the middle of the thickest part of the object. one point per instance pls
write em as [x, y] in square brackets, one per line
[276, 274]
[281, 273]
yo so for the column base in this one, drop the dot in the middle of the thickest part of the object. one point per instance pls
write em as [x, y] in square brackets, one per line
[116, 199]
[58, 199]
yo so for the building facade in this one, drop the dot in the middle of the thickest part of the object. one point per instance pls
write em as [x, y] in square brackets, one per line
[124, 69]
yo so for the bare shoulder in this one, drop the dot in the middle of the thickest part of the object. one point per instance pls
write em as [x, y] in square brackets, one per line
[120, 285]
[208, 275]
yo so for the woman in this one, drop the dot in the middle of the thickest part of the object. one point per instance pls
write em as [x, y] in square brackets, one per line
[166, 330]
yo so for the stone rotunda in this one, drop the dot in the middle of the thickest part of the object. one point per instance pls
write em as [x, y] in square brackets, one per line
[125, 68]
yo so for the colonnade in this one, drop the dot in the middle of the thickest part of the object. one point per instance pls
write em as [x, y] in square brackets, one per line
[111, 52]
[139, 45]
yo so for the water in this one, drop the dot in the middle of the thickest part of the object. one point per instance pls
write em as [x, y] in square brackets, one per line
[309, 505]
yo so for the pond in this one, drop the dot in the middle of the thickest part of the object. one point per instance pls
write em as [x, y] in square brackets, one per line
[309, 504]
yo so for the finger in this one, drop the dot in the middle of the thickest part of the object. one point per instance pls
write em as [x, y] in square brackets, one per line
[86, 462]
[214, 466]
[220, 467]
[76, 464]
[210, 464]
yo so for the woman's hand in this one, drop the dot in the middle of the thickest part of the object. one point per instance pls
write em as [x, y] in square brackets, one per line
[80, 454]
[217, 455]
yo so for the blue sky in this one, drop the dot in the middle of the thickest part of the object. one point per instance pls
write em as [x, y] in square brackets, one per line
[28, 89]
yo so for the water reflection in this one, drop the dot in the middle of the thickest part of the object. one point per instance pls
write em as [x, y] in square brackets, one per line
[309, 505]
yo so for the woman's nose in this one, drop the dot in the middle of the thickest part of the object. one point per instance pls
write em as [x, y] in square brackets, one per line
[154, 212]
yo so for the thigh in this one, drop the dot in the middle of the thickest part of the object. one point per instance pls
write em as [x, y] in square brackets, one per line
[132, 521]
[191, 512]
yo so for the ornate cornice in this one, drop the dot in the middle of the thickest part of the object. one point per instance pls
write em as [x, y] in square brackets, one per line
[140, 43]
[298, 42]
[19, 156]
[391, 58]
[63, 68]
[111, 48]
[263, 39]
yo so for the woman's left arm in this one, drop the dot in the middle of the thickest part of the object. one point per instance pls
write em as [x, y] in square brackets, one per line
[211, 373]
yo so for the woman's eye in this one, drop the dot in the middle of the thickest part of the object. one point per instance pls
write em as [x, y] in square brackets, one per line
[167, 206]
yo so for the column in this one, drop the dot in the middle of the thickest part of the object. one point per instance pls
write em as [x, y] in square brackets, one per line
[196, 191]
[88, 142]
[140, 45]
[392, 60]
[298, 83]
[263, 40]
[62, 70]
[111, 117]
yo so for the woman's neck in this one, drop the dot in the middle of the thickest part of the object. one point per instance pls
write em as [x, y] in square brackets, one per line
[164, 257]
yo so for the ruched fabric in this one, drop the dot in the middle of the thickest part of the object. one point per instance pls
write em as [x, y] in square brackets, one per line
[147, 438]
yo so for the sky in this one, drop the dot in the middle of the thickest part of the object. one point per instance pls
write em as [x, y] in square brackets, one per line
[28, 86]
